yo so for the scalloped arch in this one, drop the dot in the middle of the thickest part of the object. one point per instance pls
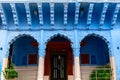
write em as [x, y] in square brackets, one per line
[98, 36]
[17, 37]
[62, 35]
[55, 35]
[102, 38]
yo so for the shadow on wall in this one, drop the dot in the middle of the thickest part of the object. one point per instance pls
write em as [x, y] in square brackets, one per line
[24, 51]
[94, 51]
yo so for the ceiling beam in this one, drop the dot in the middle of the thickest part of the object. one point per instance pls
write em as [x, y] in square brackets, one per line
[102, 19]
[40, 14]
[28, 15]
[52, 14]
[77, 14]
[15, 16]
[2, 14]
[65, 13]
[89, 16]
[115, 15]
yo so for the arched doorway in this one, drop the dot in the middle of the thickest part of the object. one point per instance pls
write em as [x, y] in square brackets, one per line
[94, 52]
[23, 53]
[58, 60]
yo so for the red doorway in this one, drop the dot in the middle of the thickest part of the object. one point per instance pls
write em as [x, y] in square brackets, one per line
[62, 49]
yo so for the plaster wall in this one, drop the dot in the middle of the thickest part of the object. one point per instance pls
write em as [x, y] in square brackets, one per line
[115, 35]
[75, 36]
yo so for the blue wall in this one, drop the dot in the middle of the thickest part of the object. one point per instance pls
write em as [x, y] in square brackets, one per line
[97, 50]
[115, 34]
[22, 47]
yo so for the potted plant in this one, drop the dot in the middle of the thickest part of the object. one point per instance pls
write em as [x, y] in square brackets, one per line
[101, 73]
[10, 73]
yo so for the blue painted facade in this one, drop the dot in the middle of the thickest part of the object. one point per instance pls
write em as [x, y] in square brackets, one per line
[47, 21]
[22, 47]
[96, 49]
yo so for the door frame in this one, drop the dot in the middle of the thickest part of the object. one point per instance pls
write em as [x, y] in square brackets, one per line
[53, 48]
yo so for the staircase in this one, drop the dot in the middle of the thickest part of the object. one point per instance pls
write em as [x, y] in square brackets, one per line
[26, 73]
[86, 72]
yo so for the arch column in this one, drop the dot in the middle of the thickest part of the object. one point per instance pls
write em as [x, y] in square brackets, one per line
[40, 75]
[40, 68]
[4, 65]
[76, 52]
[76, 65]
[4, 61]
[112, 61]
[112, 64]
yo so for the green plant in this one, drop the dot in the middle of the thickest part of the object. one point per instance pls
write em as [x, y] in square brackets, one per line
[101, 73]
[10, 73]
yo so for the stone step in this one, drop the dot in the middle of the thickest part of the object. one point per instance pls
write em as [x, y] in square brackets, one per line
[86, 72]
[26, 73]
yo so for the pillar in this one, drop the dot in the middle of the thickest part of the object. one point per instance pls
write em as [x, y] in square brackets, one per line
[112, 61]
[112, 64]
[4, 65]
[76, 52]
[40, 69]
[40, 75]
[77, 75]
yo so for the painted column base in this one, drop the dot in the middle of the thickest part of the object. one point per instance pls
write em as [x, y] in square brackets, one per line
[77, 69]
[40, 79]
[40, 69]
[4, 65]
[112, 64]
[77, 79]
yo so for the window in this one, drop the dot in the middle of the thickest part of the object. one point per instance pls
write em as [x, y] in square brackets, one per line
[84, 58]
[93, 59]
[32, 59]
